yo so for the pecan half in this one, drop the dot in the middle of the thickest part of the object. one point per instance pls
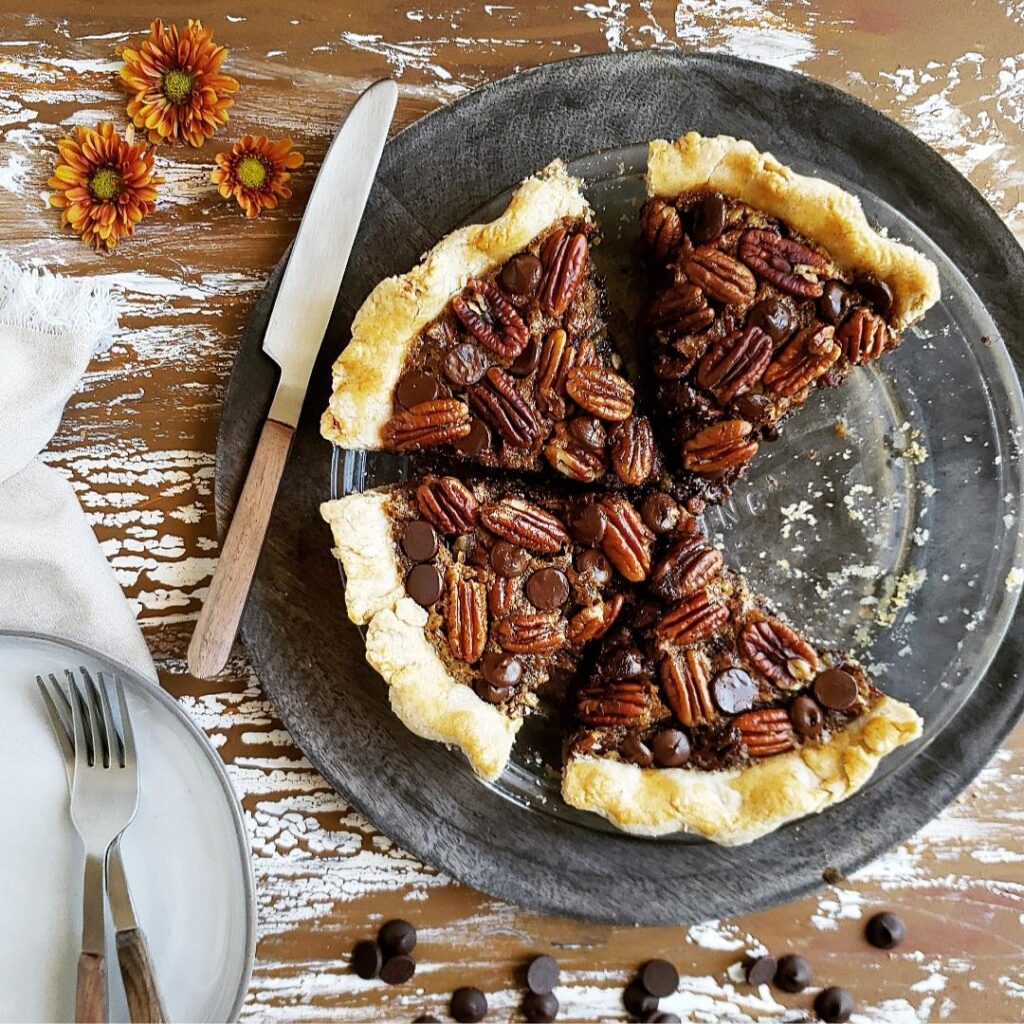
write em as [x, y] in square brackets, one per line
[501, 595]
[600, 391]
[681, 309]
[620, 703]
[779, 652]
[466, 617]
[802, 361]
[721, 277]
[696, 617]
[426, 425]
[733, 365]
[686, 681]
[565, 258]
[633, 450]
[685, 567]
[448, 504]
[785, 262]
[594, 621]
[497, 400]
[720, 446]
[567, 454]
[491, 319]
[531, 632]
[557, 357]
[524, 524]
[662, 227]
[864, 336]
[766, 731]
[626, 541]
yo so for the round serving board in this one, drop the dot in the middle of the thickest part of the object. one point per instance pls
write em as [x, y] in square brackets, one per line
[439, 173]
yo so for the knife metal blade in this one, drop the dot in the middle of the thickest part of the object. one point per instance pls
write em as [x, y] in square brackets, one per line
[322, 247]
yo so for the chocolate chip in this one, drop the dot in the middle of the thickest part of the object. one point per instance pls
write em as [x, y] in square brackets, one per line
[671, 748]
[419, 540]
[774, 317]
[527, 360]
[623, 663]
[659, 977]
[468, 1005]
[659, 512]
[398, 969]
[589, 431]
[367, 959]
[638, 1001]
[491, 693]
[593, 563]
[634, 749]
[734, 691]
[465, 364]
[478, 440]
[885, 930]
[793, 973]
[501, 670]
[424, 584]
[587, 522]
[426, 1018]
[397, 936]
[754, 409]
[833, 1005]
[876, 293]
[836, 689]
[761, 970]
[540, 1007]
[521, 275]
[415, 386]
[708, 220]
[507, 560]
[542, 974]
[665, 1018]
[835, 302]
[548, 589]
[808, 718]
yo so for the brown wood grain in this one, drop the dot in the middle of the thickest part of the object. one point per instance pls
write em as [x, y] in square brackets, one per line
[140, 984]
[91, 990]
[138, 443]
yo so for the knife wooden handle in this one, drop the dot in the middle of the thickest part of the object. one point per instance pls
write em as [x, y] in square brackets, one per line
[144, 1003]
[218, 621]
[91, 993]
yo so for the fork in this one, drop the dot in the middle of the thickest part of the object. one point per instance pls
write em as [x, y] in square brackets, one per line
[104, 799]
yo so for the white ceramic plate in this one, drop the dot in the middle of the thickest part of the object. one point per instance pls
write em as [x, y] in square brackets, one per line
[186, 854]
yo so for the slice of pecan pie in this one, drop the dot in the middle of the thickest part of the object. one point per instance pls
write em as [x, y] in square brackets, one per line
[767, 285]
[494, 349]
[478, 594]
[708, 712]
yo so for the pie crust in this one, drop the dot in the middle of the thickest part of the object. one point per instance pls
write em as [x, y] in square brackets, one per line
[423, 694]
[819, 210]
[739, 805]
[366, 372]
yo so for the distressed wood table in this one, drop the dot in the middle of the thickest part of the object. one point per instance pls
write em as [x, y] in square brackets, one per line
[138, 444]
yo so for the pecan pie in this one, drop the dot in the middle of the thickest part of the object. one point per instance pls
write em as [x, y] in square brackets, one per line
[543, 551]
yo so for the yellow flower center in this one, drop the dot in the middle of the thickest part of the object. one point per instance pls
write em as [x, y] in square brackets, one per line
[178, 85]
[105, 184]
[251, 172]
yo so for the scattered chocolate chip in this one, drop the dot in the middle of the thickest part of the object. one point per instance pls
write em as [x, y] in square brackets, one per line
[548, 589]
[808, 718]
[419, 540]
[793, 973]
[774, 317]
[501, 670]
[478, 440]
[671, 748]
[835, 302]
[424, 584]
[542, 974]
[659, 977]
[587, 522]
[426, 1018]
[521, 275]
[527, 360]
[468, 1005]
[761, 969]
[397, 936]
[754, 409]
[540, 1007]
[836, 689]
[638, 1001]
[833, 1005]
[415, 386]
[465, 364]
[367, 959]
[734, 691]
[508, 560]
[634, 749]
[664, 1018]
[659, 512]
[885, 930]
[491, 693]
[832, 875]
[876, 293]
[593, 563]
[589, 431]
[398, 969]
[708, 219]
[623, 663]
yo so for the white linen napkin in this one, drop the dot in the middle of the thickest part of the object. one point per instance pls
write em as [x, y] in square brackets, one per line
[54, 578]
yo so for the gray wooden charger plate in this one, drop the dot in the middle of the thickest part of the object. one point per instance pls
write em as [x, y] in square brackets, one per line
[309, 657]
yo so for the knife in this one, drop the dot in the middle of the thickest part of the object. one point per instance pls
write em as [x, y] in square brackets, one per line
[294, 334]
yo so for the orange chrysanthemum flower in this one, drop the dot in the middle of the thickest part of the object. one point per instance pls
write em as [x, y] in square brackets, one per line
[255, 172]
[178, 91]
[105, 184]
